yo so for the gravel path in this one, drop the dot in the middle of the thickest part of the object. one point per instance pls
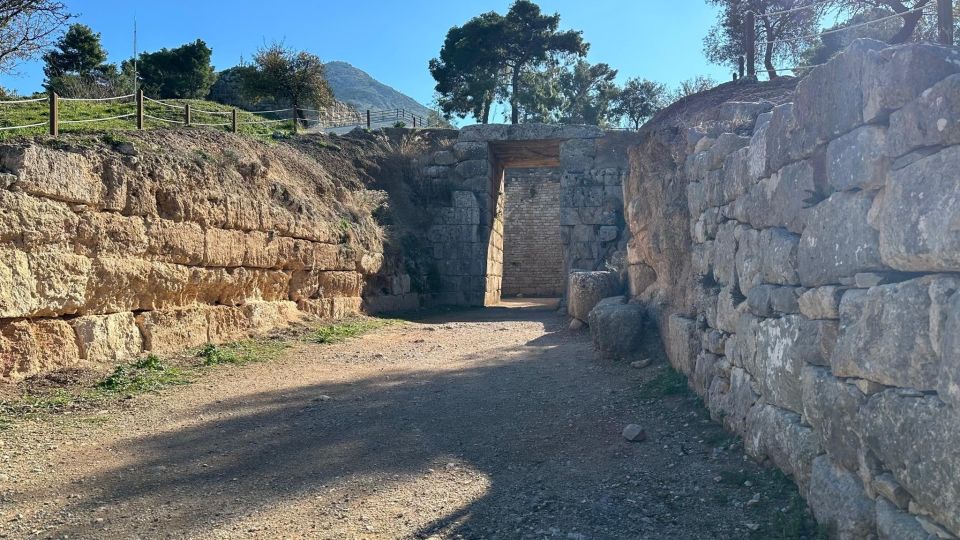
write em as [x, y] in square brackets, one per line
[495, 423]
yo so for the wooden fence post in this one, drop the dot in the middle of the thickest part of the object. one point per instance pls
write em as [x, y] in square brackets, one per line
[54, 114]
[233, 120]
[368, 118]
[295, 122]
[750, 43]
[140, 108]
[945, 21]
[186, 114]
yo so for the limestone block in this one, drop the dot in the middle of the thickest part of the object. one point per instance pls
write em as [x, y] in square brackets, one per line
[777, 434]
[578, 154]
[779, 201]
[898, 428]
[948, 387]
[773, 300]
[640, 277]
[839, 502]
[44, 171]
[768, 256]
[784, 347]
[821, 302]
[34, 222]
[174, 330]
[108, 339]
[726, 144]
[28, 348]
[443, 157]
[472, 168]
[617, 329]
[465, 151]
[933, 119]
[707, 368]
[682, 343]
[919, 215]
[829, 101]
[268, 316]
[320, 284]
[42, 283]
[757, 164]
[838, 241]
[135, 285]
[857, 160]
[218, 247]
[730, 306]
[714, 341]
[736, 175]
[830, 406]
[725, 253]
[890, 334]
[226, 324]
[586, 289]
[895, 76]
[730, 400]
[742, 346]
[786, 141]
[892, 524]
[105, 233]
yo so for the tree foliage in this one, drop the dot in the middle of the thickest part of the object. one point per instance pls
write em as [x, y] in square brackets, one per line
[689, 87]
[491, 56]
[639, 100]
[183, 72]
[26, 28]
[77, 67]
[286, 75]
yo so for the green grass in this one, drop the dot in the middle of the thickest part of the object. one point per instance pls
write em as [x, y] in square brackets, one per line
[145, 375]
[335, 333]
[668, 382]
[32, 113]
[242, 352]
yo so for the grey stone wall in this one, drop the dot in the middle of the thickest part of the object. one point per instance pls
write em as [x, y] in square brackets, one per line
[532, 252]
[825, 323]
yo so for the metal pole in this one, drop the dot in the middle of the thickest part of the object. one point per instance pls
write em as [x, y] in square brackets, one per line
[140, 108]
[945, 21]
[750, 43]
[186, 114]
[54, 114]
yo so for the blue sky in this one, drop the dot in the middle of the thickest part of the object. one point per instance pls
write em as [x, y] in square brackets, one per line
[394, 40]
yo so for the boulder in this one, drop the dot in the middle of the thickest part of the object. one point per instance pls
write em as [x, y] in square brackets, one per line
[839, 241]
[830, 406]
[839, 502]
[617, 329]
[586, 289]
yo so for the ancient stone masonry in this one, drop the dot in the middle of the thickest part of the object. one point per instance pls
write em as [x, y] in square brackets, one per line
[171, 243]
[467, 236]
[532, 253]
[824, 317]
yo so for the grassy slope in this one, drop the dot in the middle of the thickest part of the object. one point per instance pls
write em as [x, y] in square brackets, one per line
[31, 113]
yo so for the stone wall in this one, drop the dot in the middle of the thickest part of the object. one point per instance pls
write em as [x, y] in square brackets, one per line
[823, 309]
[532, 252]
[172, 241]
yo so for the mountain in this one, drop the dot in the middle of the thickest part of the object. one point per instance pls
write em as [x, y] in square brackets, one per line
[355, 87]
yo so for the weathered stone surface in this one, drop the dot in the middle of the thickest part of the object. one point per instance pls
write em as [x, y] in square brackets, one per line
[617, 328]
[757, 165]
[494, 132]
[33, 221]
[730, 400]
[706, 368]
[784, 347]
[773, 300]
[839, 502]
[899, 429]
[170, 331]
[443, 157]
[821, 302]
[889, 334]
[464, 151]
[28, 348]
[108, 338]
[857, 160]
[682, 343]
[736, 175]
[725, 253]
[948, 386]
[62, 176]
[779, 201]
[714, 341]
[892, 524]
[267, 316]
[885, 485]
[117, 284]
[103, 233]
[933, 119]
[838, 241]
[43, 283]
[730, 306]
[895, 76]
[777, 434]
[830, 406]
[919, 227]
[586, 289]
[768, 256]
[785, 143]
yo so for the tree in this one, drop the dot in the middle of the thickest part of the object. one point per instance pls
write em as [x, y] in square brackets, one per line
[780, 38]
[911, 15]
[295, 77]
[639, 100]
[689, 87]
[76, 67]
[468, 69]
[27, 27]
[184, 72]
[490, 55]
[589, 93]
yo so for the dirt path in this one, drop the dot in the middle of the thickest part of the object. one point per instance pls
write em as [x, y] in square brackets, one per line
[494, 423]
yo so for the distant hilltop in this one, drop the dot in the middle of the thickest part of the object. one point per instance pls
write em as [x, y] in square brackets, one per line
[358, 89]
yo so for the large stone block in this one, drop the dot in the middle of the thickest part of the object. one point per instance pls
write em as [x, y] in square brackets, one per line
[137, 285]
[773, 300]
[617, 329]
[682, 343]
[108, 339]
[217, 247]
[173, 331]
[839, 242]
[821, 302]
[464, 151]
[44, 171]
[268, 316]
[768, 256]
[916, 437]
[33, 222]
[931, 120]
[896, 75]
[948, 386]
[830, 406]
[725, 253]
[730, 306]
[28, 348]
[777, 434]
[730, 400]
[858, 160]
[780, 200]
[109, 234]
[920, 215]
[892, 524]
[839, 502]
[44, 283]
[226, 324]
[890, 334]
[586, 289]
[757, 164]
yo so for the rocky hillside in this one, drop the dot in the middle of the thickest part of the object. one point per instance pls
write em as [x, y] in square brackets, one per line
[355, 87]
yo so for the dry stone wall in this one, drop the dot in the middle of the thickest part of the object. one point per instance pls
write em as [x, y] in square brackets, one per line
[170, 242]
[532, 253]
[824, 303]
